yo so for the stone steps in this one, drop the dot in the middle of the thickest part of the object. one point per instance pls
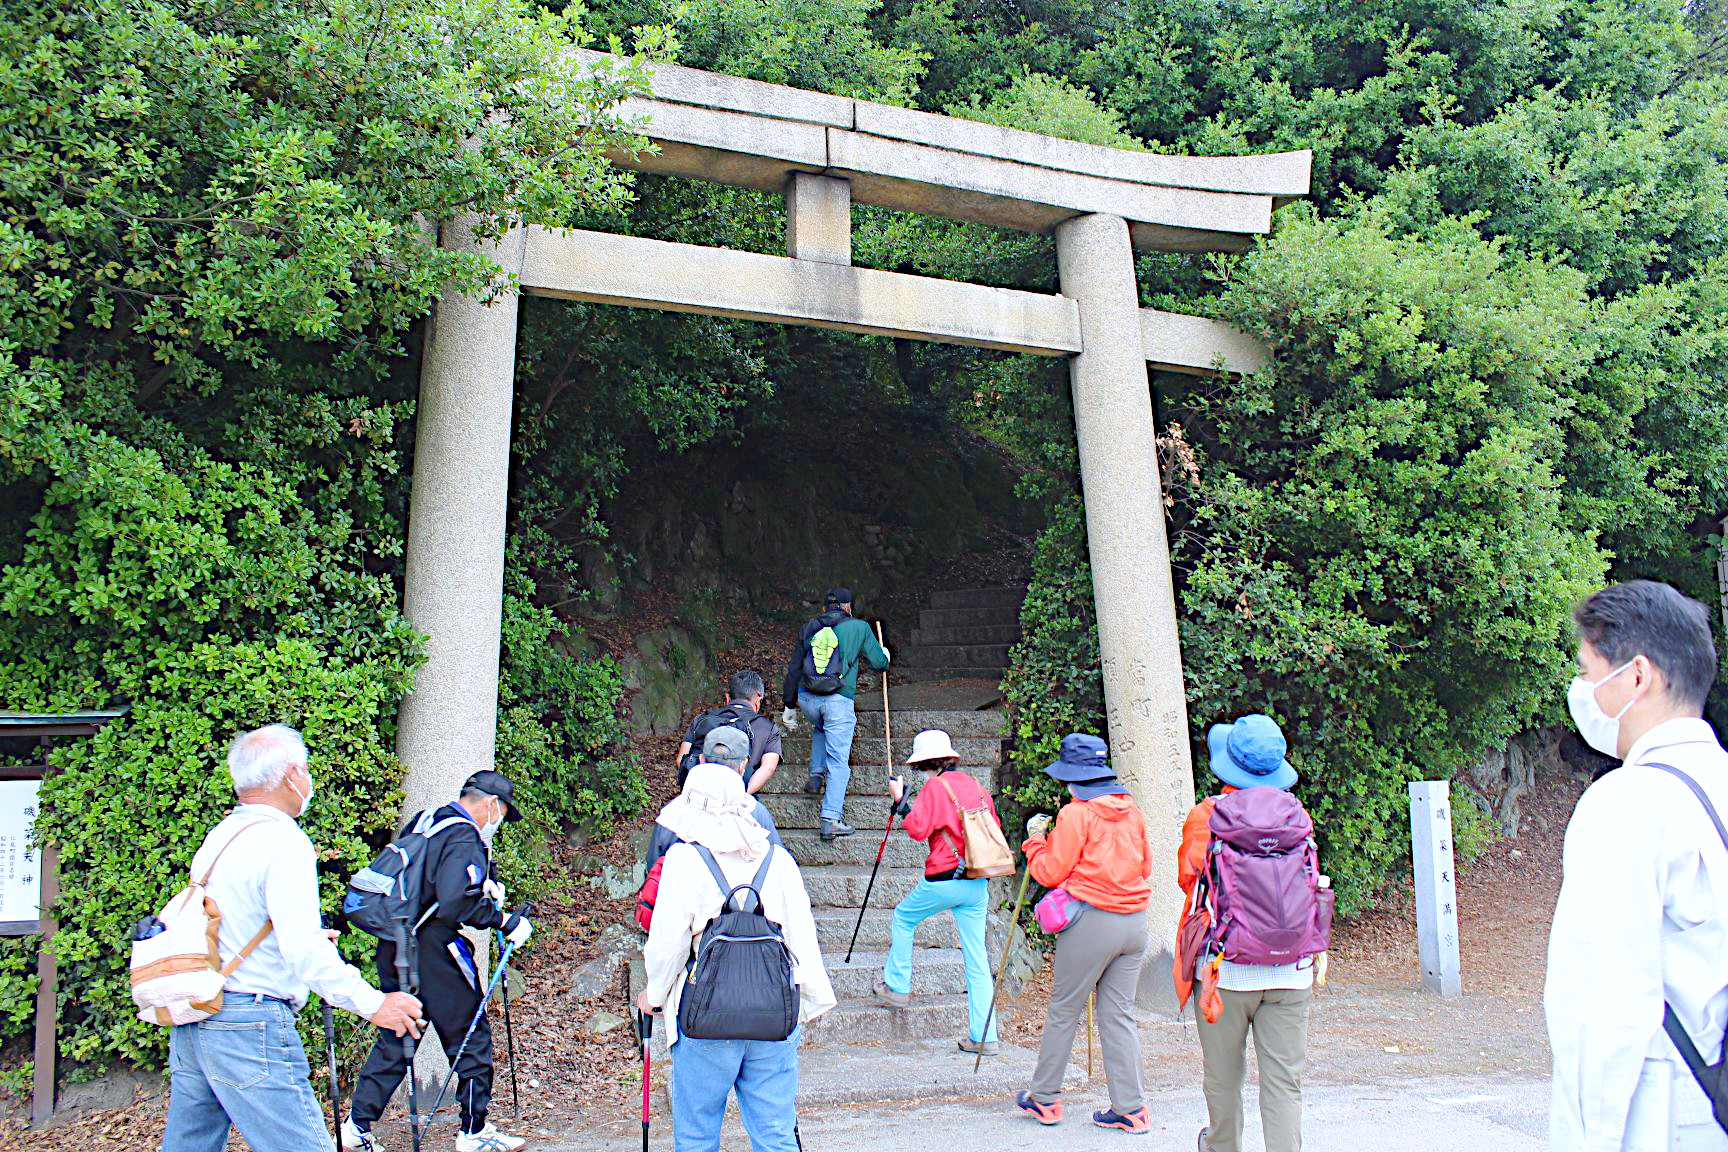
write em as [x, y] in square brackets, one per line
[834, 930]
[857, 1021]
[868, 749]
[1004, 633]
[968, 617]
[795, 811]
[842, 885]
[935, 972]
[916, 673]
[860, 850]
[958, 656]
[978, 599]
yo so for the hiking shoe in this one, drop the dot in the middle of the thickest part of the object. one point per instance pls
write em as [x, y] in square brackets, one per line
[1045, 1114]
[890, 998]
[1139, 1121]
[971, 1046]
[488, 1139]
[1203, 1146]
[354, 1140]
[815, 784]
[833, 828]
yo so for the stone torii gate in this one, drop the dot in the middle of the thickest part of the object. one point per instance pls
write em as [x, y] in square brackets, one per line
[825, 152]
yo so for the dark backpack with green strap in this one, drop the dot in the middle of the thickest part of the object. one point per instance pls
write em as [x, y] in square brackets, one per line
[824, 670]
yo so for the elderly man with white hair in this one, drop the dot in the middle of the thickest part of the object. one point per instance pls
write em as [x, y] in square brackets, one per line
[244, 1066]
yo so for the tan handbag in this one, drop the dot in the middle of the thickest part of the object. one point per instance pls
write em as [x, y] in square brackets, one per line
[984, 849]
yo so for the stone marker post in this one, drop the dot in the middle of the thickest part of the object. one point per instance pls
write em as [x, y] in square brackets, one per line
[1436, 886]
[1142, 658]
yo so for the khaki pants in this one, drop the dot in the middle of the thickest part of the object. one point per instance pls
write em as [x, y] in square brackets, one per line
[1279, 1021]
[1101, 952]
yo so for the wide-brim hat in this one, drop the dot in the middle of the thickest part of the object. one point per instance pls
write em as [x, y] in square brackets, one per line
[1083, 759]
[1250, 753]
[931, 744]
[495, 784]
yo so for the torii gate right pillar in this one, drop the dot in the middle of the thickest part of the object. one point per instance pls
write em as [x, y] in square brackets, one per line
[1144, 699]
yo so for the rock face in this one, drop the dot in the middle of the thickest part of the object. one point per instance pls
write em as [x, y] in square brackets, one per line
[618, 944]
[1503, 776]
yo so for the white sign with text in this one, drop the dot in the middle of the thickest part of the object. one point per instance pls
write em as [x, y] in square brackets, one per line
[20, 858]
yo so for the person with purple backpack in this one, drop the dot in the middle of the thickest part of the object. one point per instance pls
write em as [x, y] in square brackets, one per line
[1258, 913]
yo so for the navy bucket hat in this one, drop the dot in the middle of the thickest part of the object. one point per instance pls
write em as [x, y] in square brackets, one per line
[1250, 753]
[1083, 759]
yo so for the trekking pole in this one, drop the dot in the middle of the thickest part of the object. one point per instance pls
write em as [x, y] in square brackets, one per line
[405, 982]
[888, 762]
[1007, 944]
[479, 1015]
[335, 1087]
[510, 1038]
[644, 1029]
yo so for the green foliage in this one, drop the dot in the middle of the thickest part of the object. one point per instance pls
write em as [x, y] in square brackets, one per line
[211, 219]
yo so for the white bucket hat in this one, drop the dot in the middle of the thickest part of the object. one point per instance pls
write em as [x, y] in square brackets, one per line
[931, 744]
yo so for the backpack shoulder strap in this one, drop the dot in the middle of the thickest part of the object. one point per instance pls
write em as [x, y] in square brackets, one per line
[714, 867]
[211, 870]
[1676, 1031]
[240, 957]
[761, 878]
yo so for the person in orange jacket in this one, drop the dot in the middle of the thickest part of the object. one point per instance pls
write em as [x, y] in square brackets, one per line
[1099, 855]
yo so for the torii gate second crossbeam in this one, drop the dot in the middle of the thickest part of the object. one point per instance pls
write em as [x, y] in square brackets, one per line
[823, 153]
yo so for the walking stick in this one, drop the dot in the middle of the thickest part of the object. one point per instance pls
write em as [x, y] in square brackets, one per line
[1007, 944]
[1090, 1002]
[406, 981]
[479, 1015]
[335, 1088]
[510, 1039]
[888, 762]
[644, 1029]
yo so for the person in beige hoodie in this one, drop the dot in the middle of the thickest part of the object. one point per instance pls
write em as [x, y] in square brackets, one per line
[715, 811]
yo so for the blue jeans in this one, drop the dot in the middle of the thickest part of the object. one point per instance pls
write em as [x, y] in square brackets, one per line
[833, 719]
[969, 900]
[765, 1074]
[243, 1066]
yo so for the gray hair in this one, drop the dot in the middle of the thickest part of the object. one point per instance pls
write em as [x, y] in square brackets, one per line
[259, 759]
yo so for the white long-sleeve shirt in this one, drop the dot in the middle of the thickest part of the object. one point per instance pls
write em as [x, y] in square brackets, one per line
[271, 873]
[689, 898]
[1642, 917]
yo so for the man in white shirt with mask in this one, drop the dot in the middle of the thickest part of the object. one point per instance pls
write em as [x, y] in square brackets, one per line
[245, 1066]
[1642, 918]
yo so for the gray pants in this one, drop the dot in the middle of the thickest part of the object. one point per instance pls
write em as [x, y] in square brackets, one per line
[1279, 1021]
[1101, 952]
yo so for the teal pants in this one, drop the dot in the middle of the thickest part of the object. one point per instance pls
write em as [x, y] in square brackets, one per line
[969, 900]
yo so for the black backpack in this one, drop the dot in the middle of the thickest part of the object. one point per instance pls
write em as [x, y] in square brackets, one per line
[731, 716]
[738, 981]
[831, 676]
[1712, 1078]
[387, 893]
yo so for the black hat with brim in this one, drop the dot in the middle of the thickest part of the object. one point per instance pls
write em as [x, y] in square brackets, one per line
[496, 784]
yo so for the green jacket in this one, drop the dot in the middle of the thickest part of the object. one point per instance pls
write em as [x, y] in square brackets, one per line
[856, 640]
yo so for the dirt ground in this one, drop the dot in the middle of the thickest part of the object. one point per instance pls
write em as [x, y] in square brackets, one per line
[1371, 1024]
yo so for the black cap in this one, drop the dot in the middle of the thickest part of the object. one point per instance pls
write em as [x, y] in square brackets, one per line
[496, 784]
[836, 597]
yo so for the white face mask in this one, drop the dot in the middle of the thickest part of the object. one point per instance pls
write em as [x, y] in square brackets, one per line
[487, 829]
[1600, 730]
[306, 800]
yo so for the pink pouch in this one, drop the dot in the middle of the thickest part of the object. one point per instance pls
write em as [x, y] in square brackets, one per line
[1057, 910]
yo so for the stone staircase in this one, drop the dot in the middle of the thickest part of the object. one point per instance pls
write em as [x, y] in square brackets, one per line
[965, 633]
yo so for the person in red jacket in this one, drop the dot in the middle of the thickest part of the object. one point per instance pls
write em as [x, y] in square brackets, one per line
[935, 818]
[1099, 855]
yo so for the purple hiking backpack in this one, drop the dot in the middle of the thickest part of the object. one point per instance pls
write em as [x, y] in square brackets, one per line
[1264, 869]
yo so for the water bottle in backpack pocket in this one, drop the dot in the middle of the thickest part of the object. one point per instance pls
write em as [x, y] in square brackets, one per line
[1263, 869]
[738, 982]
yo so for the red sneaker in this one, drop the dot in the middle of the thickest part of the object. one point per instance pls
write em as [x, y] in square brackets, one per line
[1045, 1114]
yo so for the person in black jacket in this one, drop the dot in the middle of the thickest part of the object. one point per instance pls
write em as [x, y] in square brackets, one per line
[460, 892]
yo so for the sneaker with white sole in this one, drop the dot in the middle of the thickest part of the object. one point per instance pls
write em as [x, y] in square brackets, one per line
[488, 1139]
[354, 1140]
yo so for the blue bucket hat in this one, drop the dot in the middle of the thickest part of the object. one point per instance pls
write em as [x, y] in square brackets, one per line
[1083, 759]
[1250, 753]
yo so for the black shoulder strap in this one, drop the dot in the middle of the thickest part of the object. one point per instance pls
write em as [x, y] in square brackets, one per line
[761, 877]
[1670, 1021]
[713, 866]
